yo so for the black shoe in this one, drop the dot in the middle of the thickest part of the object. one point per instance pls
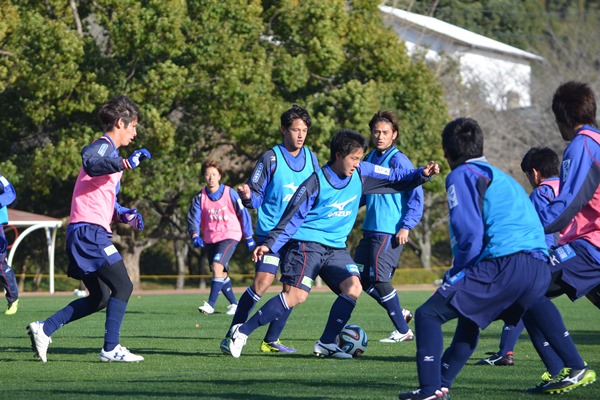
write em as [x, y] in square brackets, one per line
[498, 359]
[417, 395]
[569, 379]
[546, 379]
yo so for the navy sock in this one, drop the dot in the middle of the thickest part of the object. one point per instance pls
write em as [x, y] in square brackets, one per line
[509, 337]
[391, 303]
[115, 312]
[227, 291]
[457, 354]
[215, 289]
[340, 313]
[274, 308]
[276, 327]
[245, 306]
[430, 344]
[73, 311]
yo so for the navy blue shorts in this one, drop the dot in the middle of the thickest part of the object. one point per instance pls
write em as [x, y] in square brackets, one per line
[378, 254]
[574, 268]
[269, 262]
[499, 288]
[220, 252]
[302, 262]
[89, 248]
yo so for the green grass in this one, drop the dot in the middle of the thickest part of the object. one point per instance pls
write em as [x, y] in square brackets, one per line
[183, 360]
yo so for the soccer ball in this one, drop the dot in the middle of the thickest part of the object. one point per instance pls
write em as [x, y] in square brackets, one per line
[353, 340]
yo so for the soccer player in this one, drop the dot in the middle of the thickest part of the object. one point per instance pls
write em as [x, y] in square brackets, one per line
[276, 176]
[218, 215]
[540, 166]
[388, 220]
[93, 259]
[574, 213]
[314, 228]
[500, 267]
[7, 275]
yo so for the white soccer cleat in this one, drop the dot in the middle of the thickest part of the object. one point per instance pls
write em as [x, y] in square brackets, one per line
[329, 350]
[119, 354]
[231, 309]
[237, 341]
[206, 309]
[396, 337]
[39, 340]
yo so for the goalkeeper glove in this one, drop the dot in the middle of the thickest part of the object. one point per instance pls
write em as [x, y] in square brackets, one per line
[132, 217]
[136, 158]
[198, 243]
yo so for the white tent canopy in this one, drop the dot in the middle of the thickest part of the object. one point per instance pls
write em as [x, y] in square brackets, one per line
[34, 222]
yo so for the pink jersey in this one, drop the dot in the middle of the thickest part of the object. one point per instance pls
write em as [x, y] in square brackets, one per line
[94, 198]
[218, 219]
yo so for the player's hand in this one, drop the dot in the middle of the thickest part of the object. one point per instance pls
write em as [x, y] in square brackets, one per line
[136, 158]
[251, 244]
[132, 217]
[431, 169]
[3, 244]
[244, 192]
[259, 251]
[402, 236]
[198, 242]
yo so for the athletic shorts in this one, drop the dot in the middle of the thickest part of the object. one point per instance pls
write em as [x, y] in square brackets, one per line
[302, 262]
[498, 288]
[89, 248]
[574, 268]
[220, 252]
[269, 262]
[378, 254]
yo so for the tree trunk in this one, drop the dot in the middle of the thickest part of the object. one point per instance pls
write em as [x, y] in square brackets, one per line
[181, 253]
[131, 258]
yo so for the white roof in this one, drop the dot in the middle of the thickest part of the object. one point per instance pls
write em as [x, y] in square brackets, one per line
[458, 34]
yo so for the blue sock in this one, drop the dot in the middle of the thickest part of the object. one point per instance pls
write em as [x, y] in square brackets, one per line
[73, 311]
[227, 291]
[340, 313]
[457, 354]
[547, 318]
[215, 289]
[509, 337]
[430, 344]
[245, 306]
[274, 308]
[391, 303]
[276, 327]
[115, 312]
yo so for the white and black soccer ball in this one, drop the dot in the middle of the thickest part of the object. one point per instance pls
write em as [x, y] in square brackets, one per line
[353, 340]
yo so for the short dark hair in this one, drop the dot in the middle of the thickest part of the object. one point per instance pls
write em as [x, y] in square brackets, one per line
[385, 116]
[296, 112]
[118, 107]
[462, 139]
[210, 164]
[574, 103]
[346, 141]
[543, 159]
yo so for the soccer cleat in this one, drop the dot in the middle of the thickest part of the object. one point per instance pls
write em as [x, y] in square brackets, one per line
[231, 309]
[206, 309]
[12, 309]
[417, 395]
[225, 346]
[569, 379]
[237, 341]
[546, 378]
[396, 337]
[329, 350]
[39, 340]
[119, 354]
[407, 315]
[498, 359]
[275, 347]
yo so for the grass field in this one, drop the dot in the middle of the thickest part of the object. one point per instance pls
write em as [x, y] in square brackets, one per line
[183, 360]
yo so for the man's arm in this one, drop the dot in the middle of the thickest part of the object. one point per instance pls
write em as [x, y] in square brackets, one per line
[253, 192]
[242, 214]
[381, 180]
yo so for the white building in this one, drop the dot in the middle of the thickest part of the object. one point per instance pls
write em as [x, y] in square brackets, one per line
[501, 71]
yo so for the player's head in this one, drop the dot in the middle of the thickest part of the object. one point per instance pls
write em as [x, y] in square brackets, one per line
[462, 139]
[294, 127]
[540, 163]
[347, 148]
[384, 129]
[118, 108]
[573, 105]
[211, 172]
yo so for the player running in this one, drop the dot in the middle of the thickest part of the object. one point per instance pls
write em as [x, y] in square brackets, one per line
[7, 275]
